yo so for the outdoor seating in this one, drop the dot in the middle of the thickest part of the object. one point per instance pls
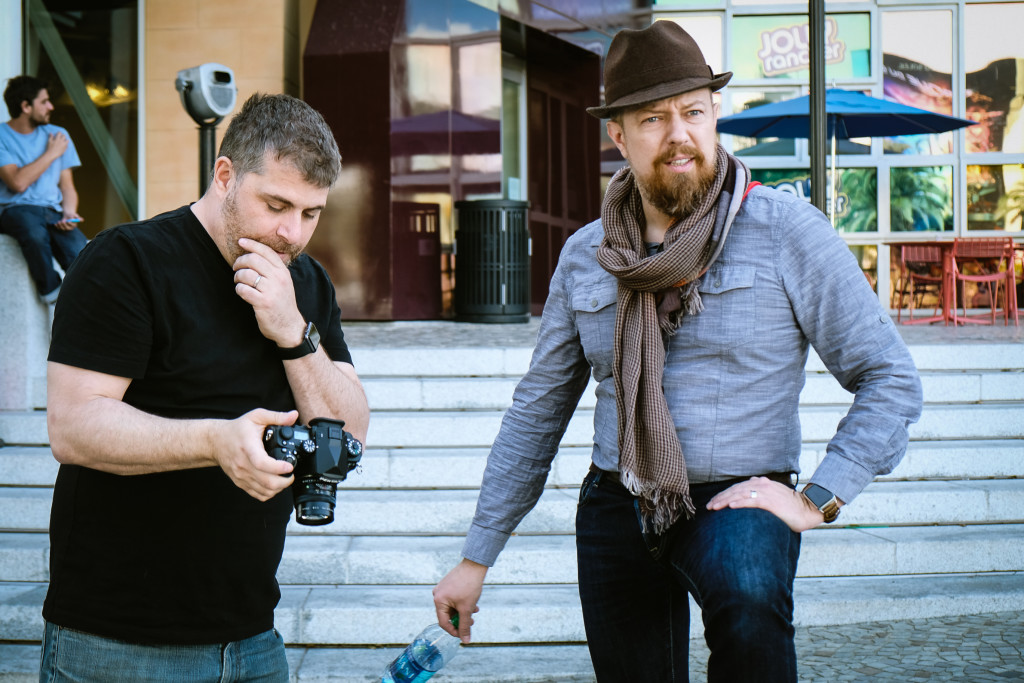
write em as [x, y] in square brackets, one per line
[921, 273]
[987, 262]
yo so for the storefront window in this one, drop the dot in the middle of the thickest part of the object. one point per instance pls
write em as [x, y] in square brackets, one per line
[744, 99]
[777, 47]
[867, 257]
[90, 59]
[995, 197]
[994, 59]
[916, 67]
[921, 199]
[856, 191]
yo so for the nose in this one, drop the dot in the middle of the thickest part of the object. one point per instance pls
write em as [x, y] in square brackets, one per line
[290, 227]
[678, 131]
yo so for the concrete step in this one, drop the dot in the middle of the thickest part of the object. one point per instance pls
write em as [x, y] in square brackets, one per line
[551, 559]
[490, 664]
[432, 468]
[462, 429]
[503, 360]
[495, 393]
[351, 615]
[443, 512]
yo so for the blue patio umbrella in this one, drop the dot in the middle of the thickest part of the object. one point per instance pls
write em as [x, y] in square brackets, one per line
[848, 114]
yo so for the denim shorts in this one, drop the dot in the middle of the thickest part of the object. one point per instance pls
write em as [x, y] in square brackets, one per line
[69, 655]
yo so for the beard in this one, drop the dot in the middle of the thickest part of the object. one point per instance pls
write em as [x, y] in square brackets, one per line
[234, 230]
[677, 194]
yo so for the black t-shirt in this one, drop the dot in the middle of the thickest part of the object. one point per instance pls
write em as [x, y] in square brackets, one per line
[183, 556]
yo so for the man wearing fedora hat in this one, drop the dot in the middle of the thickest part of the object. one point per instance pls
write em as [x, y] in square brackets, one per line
[692, 303]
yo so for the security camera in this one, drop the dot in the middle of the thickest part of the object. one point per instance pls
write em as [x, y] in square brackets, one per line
[207, 91]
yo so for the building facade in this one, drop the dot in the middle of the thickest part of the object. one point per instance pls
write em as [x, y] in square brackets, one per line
[435, 102]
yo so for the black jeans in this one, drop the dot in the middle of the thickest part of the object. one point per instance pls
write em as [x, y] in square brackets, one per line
[738, 564]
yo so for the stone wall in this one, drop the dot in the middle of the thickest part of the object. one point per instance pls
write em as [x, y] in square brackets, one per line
[24, 334]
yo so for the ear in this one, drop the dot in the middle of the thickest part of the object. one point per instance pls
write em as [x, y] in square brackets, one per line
[223, 176]
[26, 106]
[618, 136]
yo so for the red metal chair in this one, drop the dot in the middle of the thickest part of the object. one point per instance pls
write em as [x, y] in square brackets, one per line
[988, 261]
[921, 273]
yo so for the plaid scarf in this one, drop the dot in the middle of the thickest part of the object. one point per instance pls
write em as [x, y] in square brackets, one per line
[654, 293]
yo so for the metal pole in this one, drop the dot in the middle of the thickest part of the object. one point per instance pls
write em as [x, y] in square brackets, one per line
[207, 154]
[818, 132]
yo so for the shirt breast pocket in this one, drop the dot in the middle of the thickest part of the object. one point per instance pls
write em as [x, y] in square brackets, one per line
[593, 307]
[729, 317]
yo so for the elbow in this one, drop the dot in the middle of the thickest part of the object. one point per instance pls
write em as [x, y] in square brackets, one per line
[62, 446]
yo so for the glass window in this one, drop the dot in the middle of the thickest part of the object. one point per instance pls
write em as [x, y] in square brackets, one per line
[777, 47]
[921, 198]
[856, 200]
[744, 99]
[995, 197]
[90, 59]
[994, 59]
[867, 257]
[917, 60]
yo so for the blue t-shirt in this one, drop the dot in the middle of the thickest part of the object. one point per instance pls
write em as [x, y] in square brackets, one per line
[21, 150]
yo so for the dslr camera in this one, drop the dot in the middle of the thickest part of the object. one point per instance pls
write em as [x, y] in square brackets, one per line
[322, 454]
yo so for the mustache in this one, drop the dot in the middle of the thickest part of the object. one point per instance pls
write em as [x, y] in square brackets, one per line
[681, 150]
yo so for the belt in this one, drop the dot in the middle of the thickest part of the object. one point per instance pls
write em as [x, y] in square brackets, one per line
[786, 478]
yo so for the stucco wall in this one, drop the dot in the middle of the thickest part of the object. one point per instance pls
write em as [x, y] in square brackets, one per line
[257, 39]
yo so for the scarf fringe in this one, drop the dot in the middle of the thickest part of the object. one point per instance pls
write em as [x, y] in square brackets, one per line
[660, 508]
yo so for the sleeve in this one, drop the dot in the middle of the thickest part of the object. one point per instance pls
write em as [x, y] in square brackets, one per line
[70, 157]
[318, 302]
[104, 320]
[857, 341]
[542, 405]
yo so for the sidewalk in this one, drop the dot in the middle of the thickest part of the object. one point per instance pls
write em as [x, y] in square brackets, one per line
[974, 649]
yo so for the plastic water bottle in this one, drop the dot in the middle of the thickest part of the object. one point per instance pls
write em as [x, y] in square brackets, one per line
[427, 654]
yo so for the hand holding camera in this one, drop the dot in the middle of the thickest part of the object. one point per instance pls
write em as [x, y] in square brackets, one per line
[322, 454]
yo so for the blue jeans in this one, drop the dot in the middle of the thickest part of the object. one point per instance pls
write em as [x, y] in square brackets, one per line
[40, 242]
[80, 657]
[738, 564]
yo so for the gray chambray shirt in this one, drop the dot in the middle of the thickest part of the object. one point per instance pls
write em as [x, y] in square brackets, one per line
[733, 373]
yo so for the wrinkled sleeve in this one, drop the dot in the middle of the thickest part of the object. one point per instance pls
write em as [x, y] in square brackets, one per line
[531, 429]
[857, 341]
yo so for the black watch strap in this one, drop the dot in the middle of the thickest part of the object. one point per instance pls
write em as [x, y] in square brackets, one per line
[310, 343]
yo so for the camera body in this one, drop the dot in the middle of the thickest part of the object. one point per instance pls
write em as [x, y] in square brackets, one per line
[322, 454]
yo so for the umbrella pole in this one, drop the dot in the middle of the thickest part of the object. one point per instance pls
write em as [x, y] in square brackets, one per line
[832, 202]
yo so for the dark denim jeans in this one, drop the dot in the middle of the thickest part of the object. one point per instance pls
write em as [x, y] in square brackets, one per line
[738, 564]
[40, 242]
[69, 655]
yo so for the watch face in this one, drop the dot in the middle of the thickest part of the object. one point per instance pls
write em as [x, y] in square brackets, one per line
[312, 336]
[818, 495]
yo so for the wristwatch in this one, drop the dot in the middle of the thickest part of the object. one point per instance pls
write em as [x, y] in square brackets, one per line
[824, 500]
[310, 343]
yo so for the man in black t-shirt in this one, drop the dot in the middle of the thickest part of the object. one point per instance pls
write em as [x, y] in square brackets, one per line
[176, 341]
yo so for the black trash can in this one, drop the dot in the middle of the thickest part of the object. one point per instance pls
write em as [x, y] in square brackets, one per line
[492, 261]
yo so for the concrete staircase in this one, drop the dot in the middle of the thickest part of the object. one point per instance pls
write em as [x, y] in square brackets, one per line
[942, 535]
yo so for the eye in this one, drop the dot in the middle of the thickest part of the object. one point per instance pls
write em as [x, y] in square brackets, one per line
[311, 215]
[274, 208]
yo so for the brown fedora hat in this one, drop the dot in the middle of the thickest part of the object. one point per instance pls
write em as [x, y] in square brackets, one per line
[653, 63]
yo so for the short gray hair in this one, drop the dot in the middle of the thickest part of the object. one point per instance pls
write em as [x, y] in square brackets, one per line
[290, 129]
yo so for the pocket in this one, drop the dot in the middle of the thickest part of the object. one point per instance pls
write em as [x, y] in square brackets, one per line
[586, 487]
[593, 308]
[729, 317]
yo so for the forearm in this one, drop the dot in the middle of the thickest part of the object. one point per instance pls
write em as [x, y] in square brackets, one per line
[69, 195]
[19, 179]
[109, 435]
[323, 388]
